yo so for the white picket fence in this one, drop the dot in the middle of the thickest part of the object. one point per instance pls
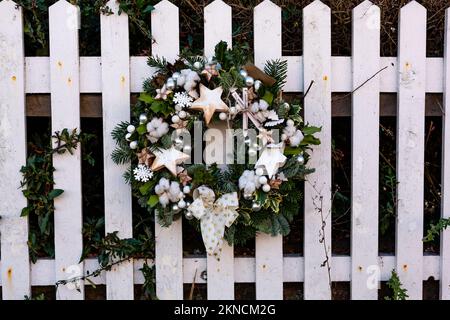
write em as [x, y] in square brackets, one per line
[115, 75]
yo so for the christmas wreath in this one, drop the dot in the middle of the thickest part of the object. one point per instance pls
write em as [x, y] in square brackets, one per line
[233, 200]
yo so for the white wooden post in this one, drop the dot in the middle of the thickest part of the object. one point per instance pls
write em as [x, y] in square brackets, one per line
[268, 249]
[410, 146]
[220, 272]
[65, 99]
[445, 208]
[218, 25]
[317, 68]
[15, 268]
[116, 108]
[365, 143]
[169, 241]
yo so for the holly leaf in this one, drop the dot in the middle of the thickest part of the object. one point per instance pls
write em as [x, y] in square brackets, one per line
[311, 130]
[145, 189]
[268, 97]
[153, 201]
[147, 98]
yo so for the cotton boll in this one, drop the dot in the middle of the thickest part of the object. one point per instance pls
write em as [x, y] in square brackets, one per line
[164, 199]
[174, 192]
[249, 188]
[263, 105]
[181, 81]
[159, 190]
[290, 129]
[164, 183]
[296, 139]
[156, 128]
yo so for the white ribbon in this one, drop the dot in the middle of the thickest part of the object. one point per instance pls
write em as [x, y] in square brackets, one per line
[214, 216]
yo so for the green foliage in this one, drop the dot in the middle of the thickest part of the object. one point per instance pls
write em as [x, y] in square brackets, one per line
[277, 69]
[113, 251]
[398, 293]
[36, 23]
[160, 64]
[388, 198]
[40, 297]
[235, 57]
[38, 187]
[436, 229]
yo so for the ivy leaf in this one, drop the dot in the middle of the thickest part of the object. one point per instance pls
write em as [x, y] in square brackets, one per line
[25, 212]
[148, 9]
[55, 193]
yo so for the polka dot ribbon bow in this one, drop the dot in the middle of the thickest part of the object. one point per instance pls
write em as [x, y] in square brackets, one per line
[214, 216]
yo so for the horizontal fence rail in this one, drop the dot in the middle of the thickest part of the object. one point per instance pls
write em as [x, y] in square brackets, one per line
[365, 75]
[42, 272]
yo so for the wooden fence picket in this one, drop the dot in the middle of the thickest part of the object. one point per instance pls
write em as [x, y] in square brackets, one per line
[15, 268]
[445, 180]
[365, 145]
[169, 241]
[65, 75]
[116, 108]
[220, 271]
[268, 249]
[410, 146]
[317, 104]
[65, 100]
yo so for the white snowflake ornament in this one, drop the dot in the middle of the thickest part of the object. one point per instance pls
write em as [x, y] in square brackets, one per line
[183, 99]
[142, 173]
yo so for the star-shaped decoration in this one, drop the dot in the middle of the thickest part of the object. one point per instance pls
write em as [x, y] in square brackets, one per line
[145, 157]
[184, 177]
[168, 158]
[180, 125]
[265, 136]
[210, 101]
[210, 71]
[272, 159]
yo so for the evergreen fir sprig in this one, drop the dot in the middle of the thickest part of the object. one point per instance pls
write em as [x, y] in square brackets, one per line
[160, 64]
[277, 69]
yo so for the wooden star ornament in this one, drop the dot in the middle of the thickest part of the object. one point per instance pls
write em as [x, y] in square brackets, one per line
[210, 101]
[169, 158]
[271, 159]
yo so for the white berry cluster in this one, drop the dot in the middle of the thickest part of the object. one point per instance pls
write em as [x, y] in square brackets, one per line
[182, 100]
[250, 181]
[142, 173]
[169, 192]
[156, 128]
[291, 134]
